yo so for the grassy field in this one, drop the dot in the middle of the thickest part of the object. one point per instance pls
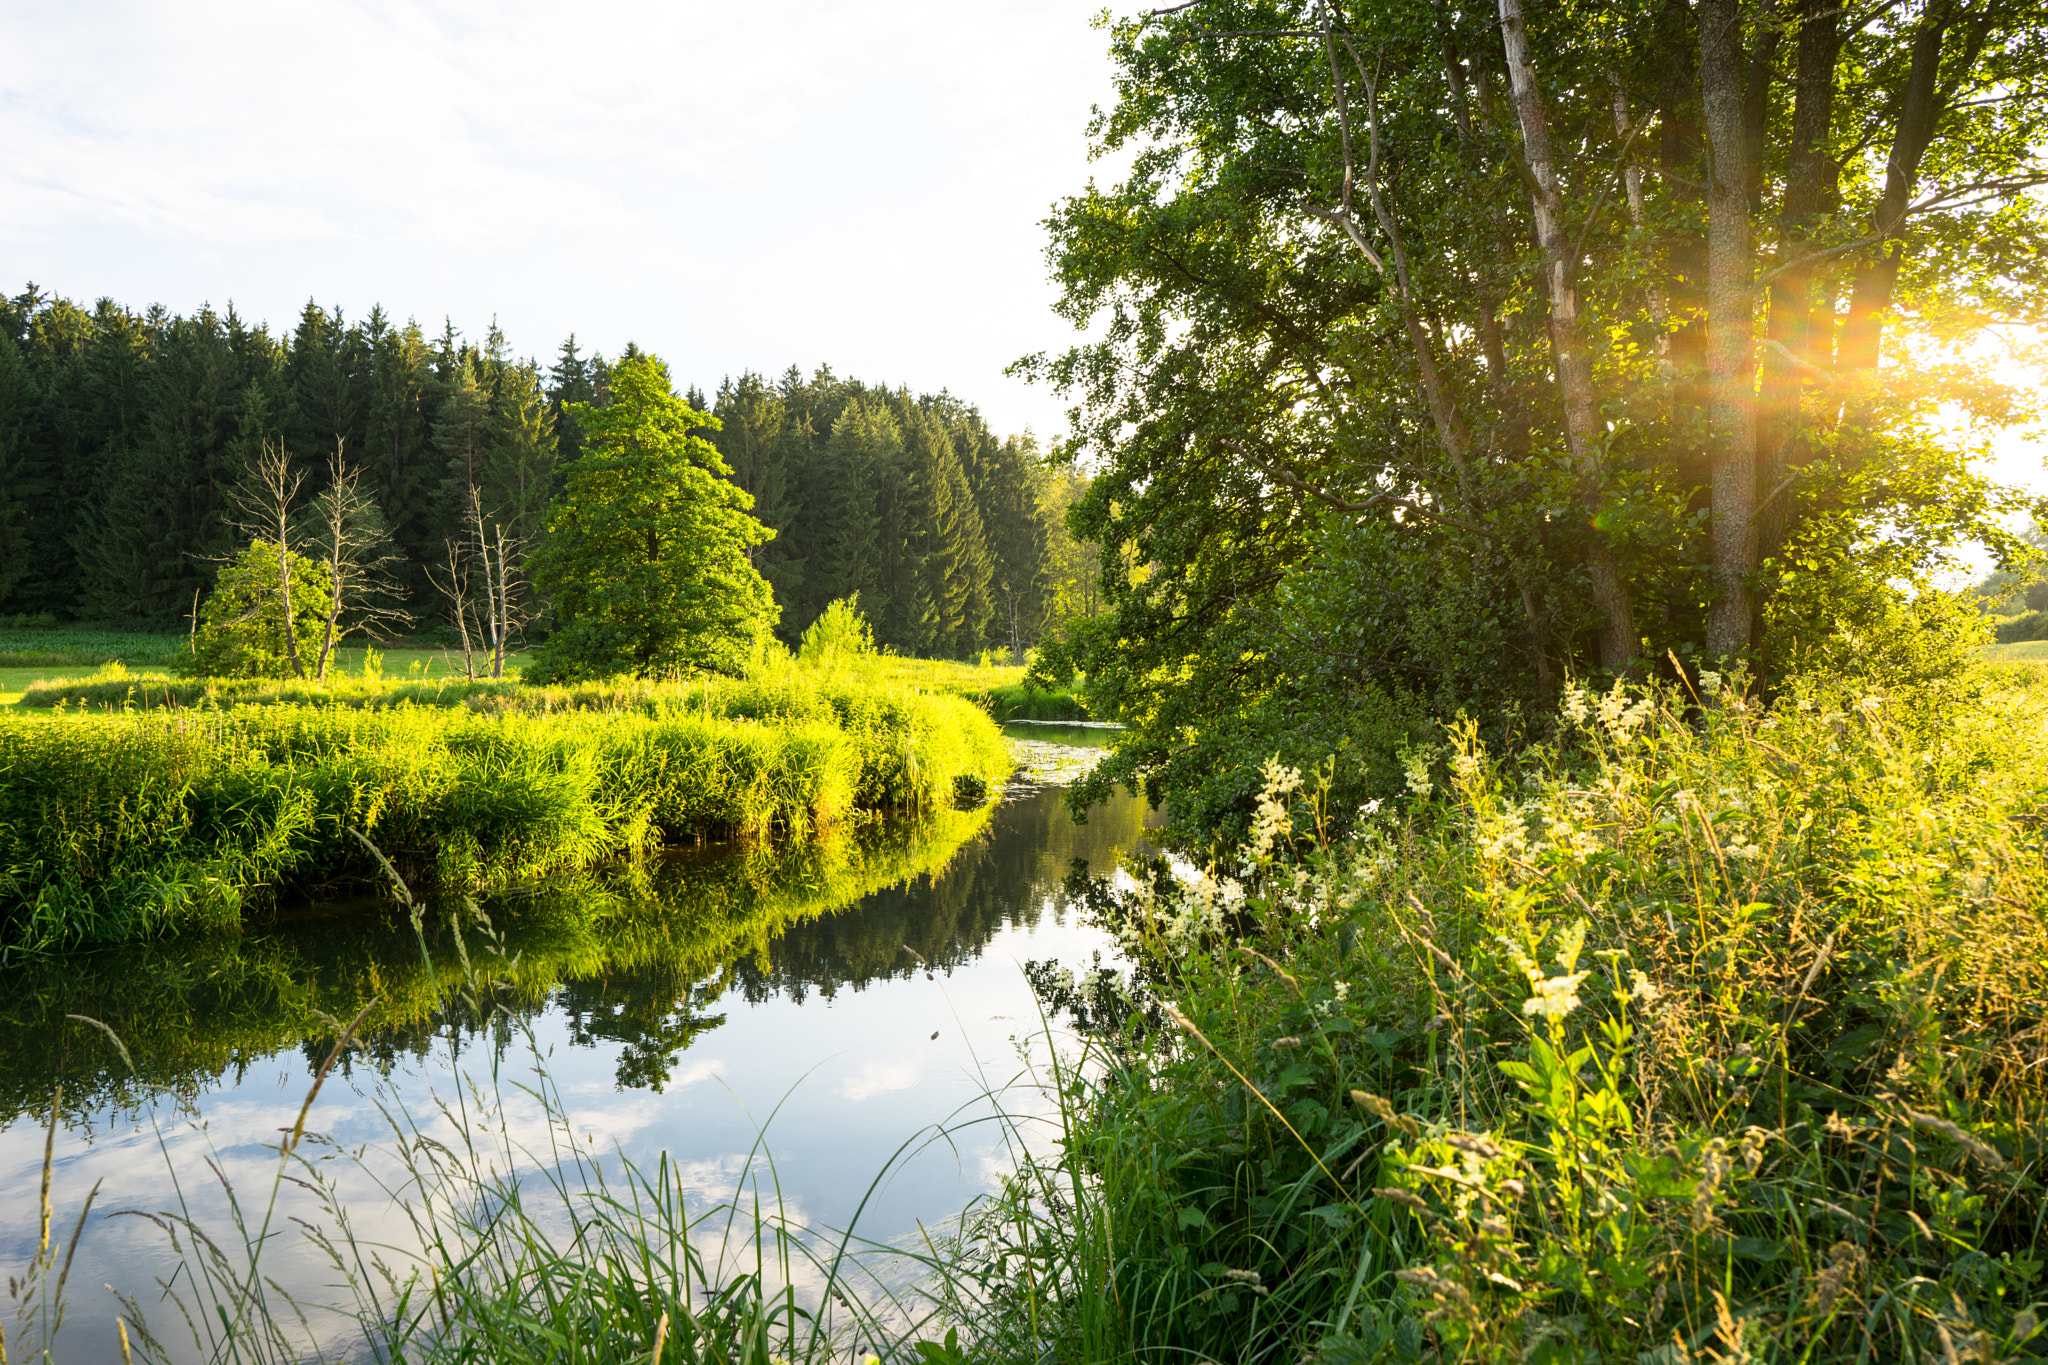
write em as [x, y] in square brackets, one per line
[2026, 651]
[31, 656]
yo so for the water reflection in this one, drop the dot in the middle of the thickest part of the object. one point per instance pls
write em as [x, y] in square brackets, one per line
[865, 987]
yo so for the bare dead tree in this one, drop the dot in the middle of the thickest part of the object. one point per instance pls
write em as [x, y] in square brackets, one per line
[357, 553]
[453, 584]
[489, 614]
[264, 500]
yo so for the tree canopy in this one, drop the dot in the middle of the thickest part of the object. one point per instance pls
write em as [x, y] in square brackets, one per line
[1444, 352]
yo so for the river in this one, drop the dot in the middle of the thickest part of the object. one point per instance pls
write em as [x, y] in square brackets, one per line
[859, 994]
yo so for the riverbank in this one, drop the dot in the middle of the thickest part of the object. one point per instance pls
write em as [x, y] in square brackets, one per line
[1696, 1031]
[119, 825]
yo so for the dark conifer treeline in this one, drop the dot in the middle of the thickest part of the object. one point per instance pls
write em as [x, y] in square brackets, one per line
[911, 501]
[122, 434]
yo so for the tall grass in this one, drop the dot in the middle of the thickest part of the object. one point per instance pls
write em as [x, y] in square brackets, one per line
[115, 826]
[1707, 1030]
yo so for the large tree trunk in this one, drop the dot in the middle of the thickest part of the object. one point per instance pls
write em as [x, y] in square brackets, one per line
[1810, 189]
[1583, 429]
[1920, 108]
[1731, 308]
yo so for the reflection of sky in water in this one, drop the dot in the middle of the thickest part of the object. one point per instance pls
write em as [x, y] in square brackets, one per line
[828, 1043]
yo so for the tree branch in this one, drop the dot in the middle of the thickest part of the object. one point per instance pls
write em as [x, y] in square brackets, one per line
[1286, 477]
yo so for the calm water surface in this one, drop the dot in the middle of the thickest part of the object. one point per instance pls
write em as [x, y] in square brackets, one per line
[702, 996]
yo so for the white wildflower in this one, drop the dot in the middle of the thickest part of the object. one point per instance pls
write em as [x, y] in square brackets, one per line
[1272, 820]
[1609, 708]
[1574, 707]
[1642, 988]
[1553, 997]
[1710, 683]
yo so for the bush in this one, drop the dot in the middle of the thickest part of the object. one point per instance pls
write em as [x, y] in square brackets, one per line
[840, 635]
[241, 630]
[1709, 1025]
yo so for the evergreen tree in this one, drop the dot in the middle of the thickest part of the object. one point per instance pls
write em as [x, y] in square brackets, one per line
[18, 404]
[646, 554]
[520, 454]
[158, 529]
[397, 448]
[323, 373]
[1019, 539]
[462, 435]
[569, 381]
[952, 556]
[864, 451]
[769, 452]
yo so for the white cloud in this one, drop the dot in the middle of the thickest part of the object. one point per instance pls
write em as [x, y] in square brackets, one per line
[878, 1078]
[732, 186]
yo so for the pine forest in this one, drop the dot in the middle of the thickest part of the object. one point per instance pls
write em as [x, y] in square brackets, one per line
[124, 436]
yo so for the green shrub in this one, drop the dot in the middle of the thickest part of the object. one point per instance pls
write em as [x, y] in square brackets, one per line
[840, 635]
[241, 630]
[1702, 1028]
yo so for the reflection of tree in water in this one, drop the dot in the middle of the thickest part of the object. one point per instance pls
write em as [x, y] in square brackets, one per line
[635, 955]
[1011, 874]
[655, 1020]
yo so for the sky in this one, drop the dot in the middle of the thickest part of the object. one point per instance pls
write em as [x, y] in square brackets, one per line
[733, 187]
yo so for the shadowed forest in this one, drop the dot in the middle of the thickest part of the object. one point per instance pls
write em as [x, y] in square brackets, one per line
[124, 433]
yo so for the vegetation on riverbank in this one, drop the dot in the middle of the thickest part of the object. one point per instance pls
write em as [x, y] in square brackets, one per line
[121, 825]
[997, 688]
[641, 950]
[1703, 1029]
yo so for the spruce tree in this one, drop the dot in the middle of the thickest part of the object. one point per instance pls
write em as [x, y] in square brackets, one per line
[952, 555]
[569, 381]
[397, 450]
[646, 554]
[768, 451]
[18, 403]
[864, 448]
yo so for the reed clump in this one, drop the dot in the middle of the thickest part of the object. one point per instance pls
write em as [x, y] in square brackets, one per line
[119, 825]
[1704, 1029]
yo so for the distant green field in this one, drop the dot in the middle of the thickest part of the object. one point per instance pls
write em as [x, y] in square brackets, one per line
[76, 652]
[2024, 649]
[29, 655]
